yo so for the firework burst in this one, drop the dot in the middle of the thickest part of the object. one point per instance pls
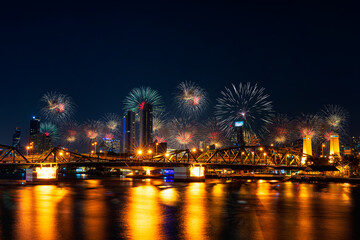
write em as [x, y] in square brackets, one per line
[191, 99]
[139, 96]
[213, 133]
[112, 122]
[251, 139]
[308, 125]
[182, 133]
[50, 130]
[246, 103]
[57, 107]
[335, 117]
[279, 130]
[93, 130]
[69, 132]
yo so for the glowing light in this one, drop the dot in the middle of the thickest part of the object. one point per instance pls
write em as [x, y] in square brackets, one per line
[139, 152]
[148, 172]
[46, 172]
[149, 151]
[193, 150]
[197, 171]
[167, 154]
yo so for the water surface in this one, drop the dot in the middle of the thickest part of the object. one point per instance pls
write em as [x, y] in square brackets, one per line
[152, 209]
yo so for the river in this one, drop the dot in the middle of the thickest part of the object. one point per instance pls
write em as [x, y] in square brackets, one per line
[152, 209]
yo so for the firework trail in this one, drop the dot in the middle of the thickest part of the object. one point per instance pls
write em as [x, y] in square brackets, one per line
[182, 133]
[159, 121]
[335, 117]
[139, 96]
[57, 107]
[246, 103]
[191, 99]
[50, 130]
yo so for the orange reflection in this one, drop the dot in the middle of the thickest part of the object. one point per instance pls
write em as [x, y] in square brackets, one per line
[169, 196]
[144, 215]
[196, 218]
[95, 211]
[46, 199]
[216, 209]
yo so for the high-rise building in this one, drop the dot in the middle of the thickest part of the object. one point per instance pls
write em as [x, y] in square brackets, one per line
[129, 131]
[146, 125]
[16, 138]
[40, 143]
[34, 125]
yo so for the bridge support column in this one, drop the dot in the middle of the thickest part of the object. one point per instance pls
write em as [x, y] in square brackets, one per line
[307, 148]
[334, 144]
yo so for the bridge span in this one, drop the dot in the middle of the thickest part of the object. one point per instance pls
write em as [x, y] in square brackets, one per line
[246, 157]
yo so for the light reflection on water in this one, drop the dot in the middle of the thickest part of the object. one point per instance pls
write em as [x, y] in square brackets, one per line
[149, 209]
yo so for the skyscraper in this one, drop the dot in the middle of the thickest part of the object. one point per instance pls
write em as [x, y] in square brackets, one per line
[38, 140]
[129, 131]
[146, 125]
[16, 138]
[34, 125]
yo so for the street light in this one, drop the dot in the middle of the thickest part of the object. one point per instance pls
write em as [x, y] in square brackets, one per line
[27, 150]
[156, 146]
[322, 149]
[94, 144]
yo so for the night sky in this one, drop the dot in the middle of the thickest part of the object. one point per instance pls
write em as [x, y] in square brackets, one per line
[305, 55]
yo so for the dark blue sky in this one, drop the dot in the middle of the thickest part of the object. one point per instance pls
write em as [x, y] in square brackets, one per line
[305, 55]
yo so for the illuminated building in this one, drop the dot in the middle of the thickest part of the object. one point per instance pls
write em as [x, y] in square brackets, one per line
[146, 125]
[16, 138]
[34, 125]
[239, 125]
[307, 148]
[129, 131]
[334, 144]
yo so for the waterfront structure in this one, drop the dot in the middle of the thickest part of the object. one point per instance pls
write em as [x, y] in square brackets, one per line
[334, 144]
[16, 138]
[307, 147]
[146, 125]
[34, 125]
[129, 131]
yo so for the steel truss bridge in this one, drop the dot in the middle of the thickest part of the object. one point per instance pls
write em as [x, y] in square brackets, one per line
[233, 157]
